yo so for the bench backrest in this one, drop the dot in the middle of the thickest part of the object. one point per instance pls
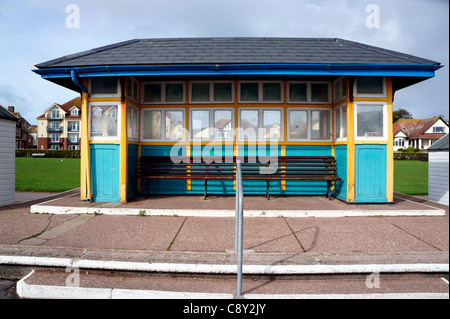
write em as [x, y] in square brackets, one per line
[290, 166]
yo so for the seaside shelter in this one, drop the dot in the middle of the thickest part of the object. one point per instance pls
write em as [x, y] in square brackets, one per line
[307, 96]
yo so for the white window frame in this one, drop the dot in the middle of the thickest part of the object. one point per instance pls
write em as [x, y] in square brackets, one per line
[211, 93]
[261, 92]
[163, 92]
[340, 137]
[211, 123]
[309, 123]
[356, 94]
[163, 124]
[260, 122]
[133, 83]
[136, 109]
[343, 95]
[385, 123]
[105, 138]
[74, 111]
[117, 94]
[308, 92]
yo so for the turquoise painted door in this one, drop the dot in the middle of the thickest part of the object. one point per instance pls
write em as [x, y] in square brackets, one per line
[105, 173]
[370, 175]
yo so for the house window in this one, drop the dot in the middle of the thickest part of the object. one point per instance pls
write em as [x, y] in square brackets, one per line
[55, 138]
[438, 129]
[260, 124]
[74, 112]
[211, 92]
[309, 92]
[370, 121]
[263, 91]
[104, 86]
[212, 124]
[73, 138]
[340, 122]
[162, 125]
[73, 126]
[163, 93]
[309, 124]
[55, 113]
[104, 121]
[370, 86]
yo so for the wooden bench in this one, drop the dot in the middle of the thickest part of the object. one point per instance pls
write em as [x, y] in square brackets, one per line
[268, 168]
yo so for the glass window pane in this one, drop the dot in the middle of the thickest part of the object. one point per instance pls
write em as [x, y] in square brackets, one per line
[320, 125]
[272, 124]
[200, 125]
[319, 92]
[174, 92]
[152, 93]
[297, 92]
[223, 92]
[337, 122]
[298, 124]
[369, 85]
[370, 120]
[200, 92]
[104, 120]
[133, 122]
[104, 85]
[174, 125]
[152, 125]
[249, 92]
[248, 125]
[344, 121]
[272, 92]
[223, 125]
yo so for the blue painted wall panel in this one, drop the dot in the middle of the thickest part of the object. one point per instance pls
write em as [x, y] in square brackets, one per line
[105, 173]
[133, 159]
[340, 187]
[370, 173]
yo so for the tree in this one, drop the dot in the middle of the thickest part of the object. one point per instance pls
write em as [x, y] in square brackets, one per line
[401, 114]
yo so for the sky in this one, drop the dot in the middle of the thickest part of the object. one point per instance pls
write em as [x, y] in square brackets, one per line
[35, 31]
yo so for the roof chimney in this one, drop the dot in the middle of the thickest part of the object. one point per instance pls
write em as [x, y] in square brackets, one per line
[11, 109]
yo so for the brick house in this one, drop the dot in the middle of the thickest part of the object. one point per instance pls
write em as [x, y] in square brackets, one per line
[24, 139]
[59, 126]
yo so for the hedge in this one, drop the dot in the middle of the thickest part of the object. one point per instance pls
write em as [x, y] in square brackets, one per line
[411, 156]
[49, 153]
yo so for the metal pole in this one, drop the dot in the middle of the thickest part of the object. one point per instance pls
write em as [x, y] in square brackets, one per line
[240, 232]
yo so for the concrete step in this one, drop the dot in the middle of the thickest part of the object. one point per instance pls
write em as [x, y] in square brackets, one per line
[72, 283]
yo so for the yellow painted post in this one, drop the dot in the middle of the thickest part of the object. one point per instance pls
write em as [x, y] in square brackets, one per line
[85, 176]
[123, 147]
[390, 143]
[350, 146]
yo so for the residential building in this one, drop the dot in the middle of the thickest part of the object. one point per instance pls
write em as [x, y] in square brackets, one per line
[7, 156]
[59, 126]
[24, 139]
[312, 96]
[33, 132]
[438, 175]
[420, 134]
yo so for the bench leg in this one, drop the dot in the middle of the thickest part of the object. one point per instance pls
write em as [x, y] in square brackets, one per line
[329, 190]
[147, 184]
[268, 190]
[206, 189]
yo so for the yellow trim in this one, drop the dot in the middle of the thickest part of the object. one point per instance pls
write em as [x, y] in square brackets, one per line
[370, 99]
[105, 99]
[115, 142]
[390, 143]
[123, 148]
[85, 167]
[350, 149]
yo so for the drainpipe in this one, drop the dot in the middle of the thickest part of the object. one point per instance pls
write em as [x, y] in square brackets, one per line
[85, 144]
[75, 81]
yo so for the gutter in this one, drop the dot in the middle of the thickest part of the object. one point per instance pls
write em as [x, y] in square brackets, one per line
[408, 70]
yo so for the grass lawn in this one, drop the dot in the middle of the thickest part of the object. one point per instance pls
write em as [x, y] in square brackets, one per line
[411, 177]
[47, 174]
